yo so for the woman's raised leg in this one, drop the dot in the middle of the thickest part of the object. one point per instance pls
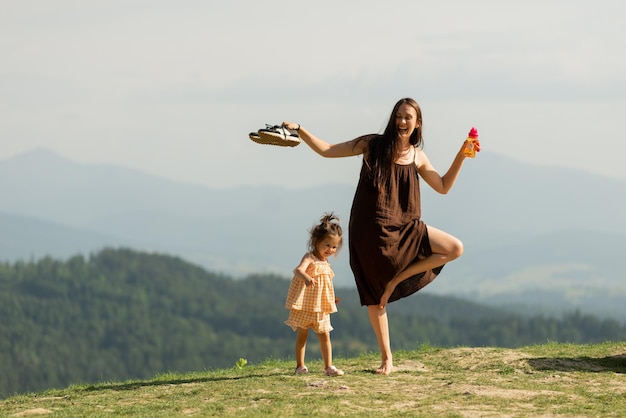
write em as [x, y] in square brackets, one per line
[445, 248]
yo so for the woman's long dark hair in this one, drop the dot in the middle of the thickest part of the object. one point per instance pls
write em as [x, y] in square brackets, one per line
[384, 149]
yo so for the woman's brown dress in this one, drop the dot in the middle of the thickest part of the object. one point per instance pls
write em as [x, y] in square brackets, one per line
[386, 234]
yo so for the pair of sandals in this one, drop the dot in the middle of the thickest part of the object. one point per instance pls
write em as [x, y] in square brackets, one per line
[330, 371]
[275, 135]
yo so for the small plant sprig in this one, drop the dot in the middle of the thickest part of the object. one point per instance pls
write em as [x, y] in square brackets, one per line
[240, 364]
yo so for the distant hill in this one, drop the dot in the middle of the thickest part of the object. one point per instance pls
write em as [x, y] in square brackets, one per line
[26, 238]
[545, 236]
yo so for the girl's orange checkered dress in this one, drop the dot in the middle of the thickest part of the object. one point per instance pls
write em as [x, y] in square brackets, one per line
[310, 307]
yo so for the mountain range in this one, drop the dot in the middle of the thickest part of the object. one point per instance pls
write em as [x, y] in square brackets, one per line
[536, 237]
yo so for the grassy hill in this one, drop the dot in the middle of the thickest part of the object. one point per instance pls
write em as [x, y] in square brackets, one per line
[542, 380]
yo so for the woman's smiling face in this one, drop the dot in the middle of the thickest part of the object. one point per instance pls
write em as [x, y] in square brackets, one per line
[406, 121]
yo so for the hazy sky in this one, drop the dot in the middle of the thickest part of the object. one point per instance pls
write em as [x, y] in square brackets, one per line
[173, 88]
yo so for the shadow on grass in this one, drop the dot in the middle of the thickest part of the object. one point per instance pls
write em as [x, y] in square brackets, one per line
[616, 364]
[164, 382]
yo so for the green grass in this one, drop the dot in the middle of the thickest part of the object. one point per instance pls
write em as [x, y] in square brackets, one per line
[545, 380]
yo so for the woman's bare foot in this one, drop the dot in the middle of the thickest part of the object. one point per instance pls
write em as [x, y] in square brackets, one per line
[386, 367]
[386, 295]
[383, 300]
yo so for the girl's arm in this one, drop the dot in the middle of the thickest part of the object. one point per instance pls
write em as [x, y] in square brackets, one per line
[442, 184]
[323, 148]
[300, 270]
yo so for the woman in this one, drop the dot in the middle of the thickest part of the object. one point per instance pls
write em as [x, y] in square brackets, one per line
[393, 253]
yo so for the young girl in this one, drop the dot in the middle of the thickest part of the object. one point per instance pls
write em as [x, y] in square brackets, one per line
[311, 298]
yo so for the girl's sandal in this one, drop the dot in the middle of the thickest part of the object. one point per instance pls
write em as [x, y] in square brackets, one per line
[333, 371]
[302, 370]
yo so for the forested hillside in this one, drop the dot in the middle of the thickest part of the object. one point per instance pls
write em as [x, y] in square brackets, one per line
[121, 314]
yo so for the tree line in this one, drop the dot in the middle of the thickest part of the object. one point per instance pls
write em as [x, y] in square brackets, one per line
[123, 314]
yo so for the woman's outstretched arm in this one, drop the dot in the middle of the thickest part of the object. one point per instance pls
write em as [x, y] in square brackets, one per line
[325, 149]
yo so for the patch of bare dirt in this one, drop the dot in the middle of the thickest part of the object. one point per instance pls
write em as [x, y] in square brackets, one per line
[34, 411]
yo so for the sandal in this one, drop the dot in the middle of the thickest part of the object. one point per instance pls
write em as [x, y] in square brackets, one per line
[255, 137]
[277, 135]
[302, 370]
[333, 371]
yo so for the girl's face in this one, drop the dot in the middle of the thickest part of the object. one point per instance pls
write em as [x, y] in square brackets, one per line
[406, 121]
[327, 246]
